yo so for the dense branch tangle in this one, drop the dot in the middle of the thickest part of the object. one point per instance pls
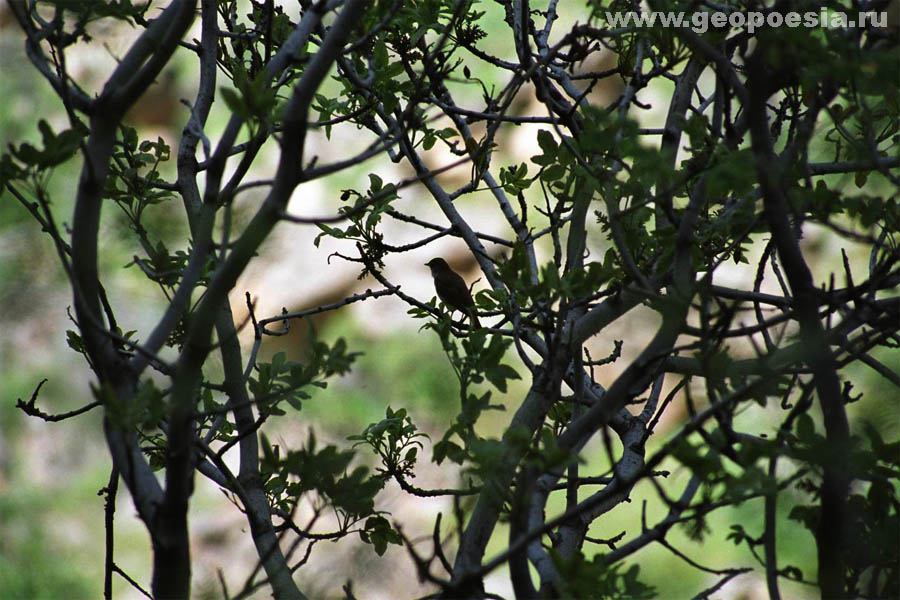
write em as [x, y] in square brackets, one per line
[606, 217]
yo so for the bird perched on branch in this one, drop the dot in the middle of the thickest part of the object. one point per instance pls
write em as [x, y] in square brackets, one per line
[452, 289]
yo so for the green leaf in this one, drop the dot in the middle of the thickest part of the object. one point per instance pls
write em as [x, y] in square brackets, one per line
[547, 142]
[234, 102]
[499, 374]
[553, 172]
[378, 532]
[74, 341]
[806, 429]
[450, 450]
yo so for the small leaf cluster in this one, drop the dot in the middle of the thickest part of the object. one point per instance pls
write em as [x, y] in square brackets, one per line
[395, 439]
[580, 578]
[253, 99]
[283, 380]
[872, 526]
[133, 184]
[364, 216]
[323, 472]
[254, 40]
[478, 358]
[92, 10]
[143, 415]
[57, 149]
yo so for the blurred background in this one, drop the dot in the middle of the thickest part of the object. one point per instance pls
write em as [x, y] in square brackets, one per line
[51, 516]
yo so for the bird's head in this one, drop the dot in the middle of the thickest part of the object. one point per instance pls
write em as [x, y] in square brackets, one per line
[437, 264]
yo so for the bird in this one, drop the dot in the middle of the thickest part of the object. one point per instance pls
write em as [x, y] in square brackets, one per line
[452, 289]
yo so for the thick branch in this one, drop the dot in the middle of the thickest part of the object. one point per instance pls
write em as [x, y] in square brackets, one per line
[774, 185]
